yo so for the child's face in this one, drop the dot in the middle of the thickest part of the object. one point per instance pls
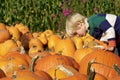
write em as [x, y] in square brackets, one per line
[80, 29]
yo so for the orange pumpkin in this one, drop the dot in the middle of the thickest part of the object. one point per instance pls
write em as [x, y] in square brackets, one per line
[43, 38]
[76, 77]
[80, 76]
[65, 46]
[24, 56]
[4, 33]
[53, 61]
[40, 54]
[53, 40]
[26, 74]
[61, 71]
[2, 74]
[102, 62]
[14, 32]
[6, 46]
[81, 52]
[48, 33]
[35, 41]
[90, 41]
[43, 74]
[13, 63]
[22, 28]
[6, 78]
[78, 42]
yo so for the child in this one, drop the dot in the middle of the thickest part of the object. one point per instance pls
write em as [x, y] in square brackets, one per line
[104, 27]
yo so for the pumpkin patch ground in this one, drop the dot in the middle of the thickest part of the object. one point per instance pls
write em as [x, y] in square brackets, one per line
[53, 56]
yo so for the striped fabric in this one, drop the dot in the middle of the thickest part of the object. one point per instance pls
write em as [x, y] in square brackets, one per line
[104, 27]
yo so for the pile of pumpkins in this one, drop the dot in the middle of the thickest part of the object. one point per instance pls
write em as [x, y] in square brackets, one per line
[53, 56]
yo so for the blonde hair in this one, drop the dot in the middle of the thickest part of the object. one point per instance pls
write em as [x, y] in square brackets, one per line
[71, 20]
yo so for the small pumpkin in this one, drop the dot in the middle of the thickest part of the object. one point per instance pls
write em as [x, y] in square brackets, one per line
[78, 41]
[53, 40]
[15, 33]
[6, 46]
[22, 28]
[48, 33]
[43, 38]
[65, 46]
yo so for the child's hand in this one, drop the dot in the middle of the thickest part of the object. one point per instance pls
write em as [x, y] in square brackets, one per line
[109, 48]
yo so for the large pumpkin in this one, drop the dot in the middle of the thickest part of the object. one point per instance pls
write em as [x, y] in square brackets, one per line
[81, 52]
[102, 62]
[61, 71]
[76, 77]
[26, 74]
[12, 64]
[53, 60]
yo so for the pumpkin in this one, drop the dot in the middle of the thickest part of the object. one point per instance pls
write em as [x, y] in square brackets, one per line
[2, 74]
[61, 71]
[6, 46]
[43, 74]
[24, 56]
[102, 61]
[48, 33]
[6, 78]
[80, 76]
[22, 28]
[65, 46]
[4, 33]
[14, 32]
[53, 40]
[78, 41]
[40, 54]
[35, 41]
[81, 52]
[13, 63]
[26, 74]
[76, 77]
[99, 77]
[43, 38]
[90, 41]
[36, 34]
[53, 60]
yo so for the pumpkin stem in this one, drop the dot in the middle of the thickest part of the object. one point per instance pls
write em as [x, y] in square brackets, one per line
[59, 53]
[89, 66]
[32, 62]
[14, 75]
[90, 71]
[115, 66]
[86, 45]
[91, 74]
[55, 78]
